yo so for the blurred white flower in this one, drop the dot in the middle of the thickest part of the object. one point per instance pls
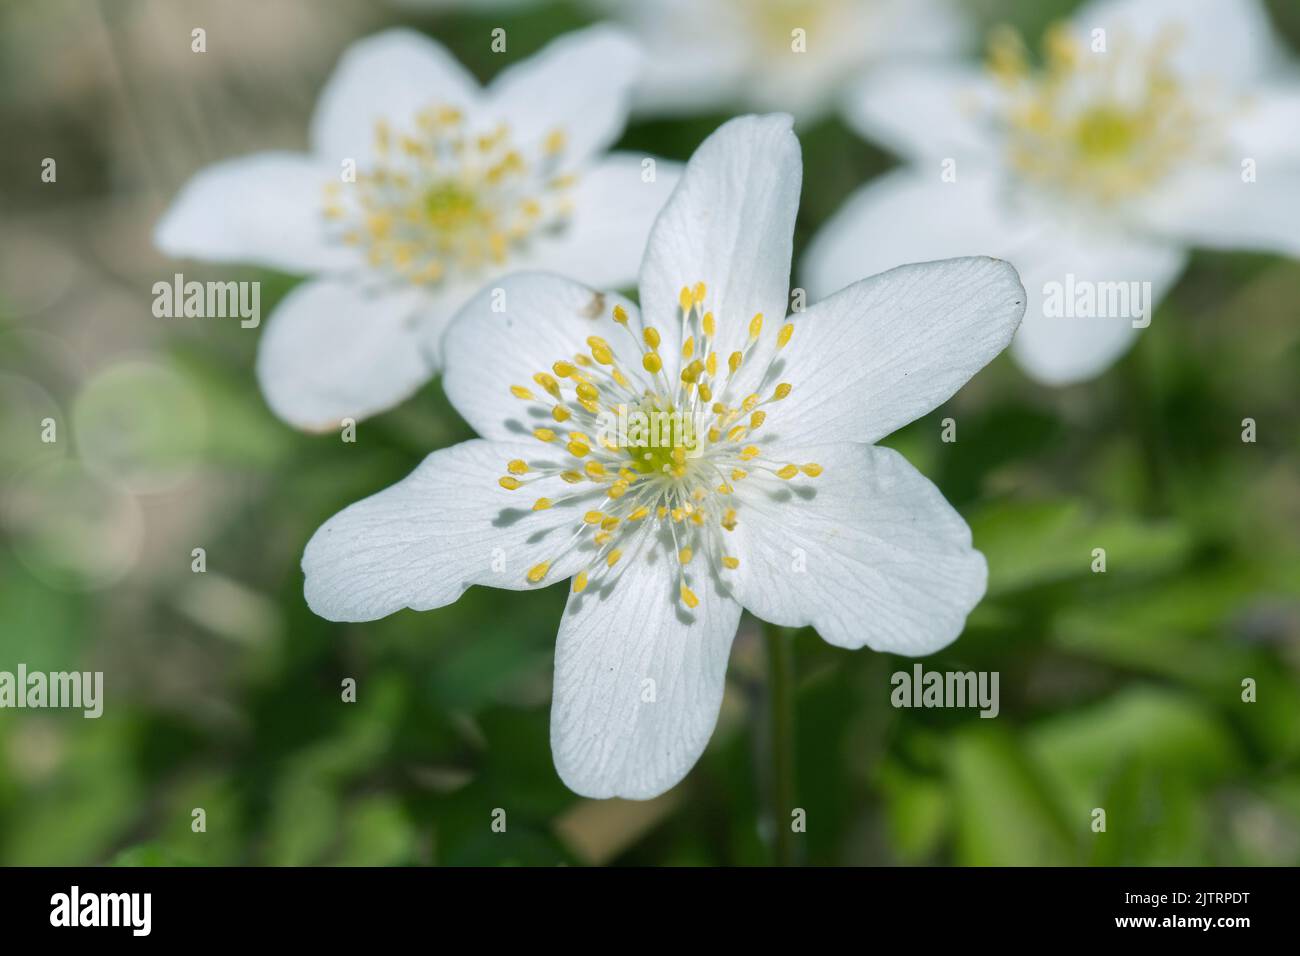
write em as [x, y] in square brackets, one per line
[792, 55]
[454, 185]
[767, 493]
[1175, 126]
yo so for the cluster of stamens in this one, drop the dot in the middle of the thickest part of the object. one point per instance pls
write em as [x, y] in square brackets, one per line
[442, 198]
[1100, 125]
[686, 483]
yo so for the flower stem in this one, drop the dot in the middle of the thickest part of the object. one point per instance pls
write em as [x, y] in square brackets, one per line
[781, 741]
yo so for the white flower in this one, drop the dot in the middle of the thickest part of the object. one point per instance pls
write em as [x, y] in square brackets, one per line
[455, 185]
[709, 54]
[1098, 168]
[772, 498]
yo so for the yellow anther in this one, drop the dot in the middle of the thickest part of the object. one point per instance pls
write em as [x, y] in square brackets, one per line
[572, 477]
[508, 483]
[689, 598]
[518, 391]
[541, 504]
[577, 449]
[561, 413]
[714, 434]
[554, 142]
[692, 372]
[706, 393]
[684, 556]
[678, 514]
[543, 434]
[594, 517]
[709, 326]
[588, 392]
[613, 557]
[1061, 49]
[749, 403]
[620, 378]
[618, 489]
[783, 337]
[594, 469]
[638, 514]
[1006, 54]
[812, 469]
[661, 512]
[749, 451]
[517, 466]
[549, 383]
[757, 419]
[739, 474]
[684, 299]
[756, 326]
[602, 355]
[602, 537]
[730, 562]
[698, 293]
[563, 369]
[610, 523]
[782, 391]
[697, 518]
[688, 347]
[725, 489]
[596, 342]
[788, 472]
[620, 315]
[651, 337]
[538, 571]
[737, 433]
[580, 582]
[582, 361]
[651, 362]
[729, 519]
[733, 362]
[711, 364]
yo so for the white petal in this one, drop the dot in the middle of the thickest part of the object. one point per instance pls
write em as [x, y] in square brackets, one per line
[891, 348]
[729, 224]
[336, 349]
[617, 646]
[1061, 349]
[912, 216]
[544, 319]
[1230, 41]
[893, 219]
[706, 55]
[392, 76]
[445, 526]
[264, 209]
[613, 210]
[1266, 128]
[869, 553]
[1213, 207]
[579, 83]
[927, 111]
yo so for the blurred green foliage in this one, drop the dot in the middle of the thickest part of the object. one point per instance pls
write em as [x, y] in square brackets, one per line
[1120, 691]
